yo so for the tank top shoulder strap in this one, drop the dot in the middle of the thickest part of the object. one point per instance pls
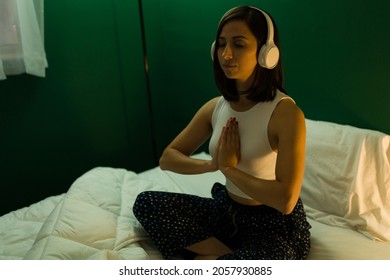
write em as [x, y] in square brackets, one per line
[220, 103]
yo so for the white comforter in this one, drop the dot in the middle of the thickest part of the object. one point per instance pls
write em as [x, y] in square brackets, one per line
[94, 220]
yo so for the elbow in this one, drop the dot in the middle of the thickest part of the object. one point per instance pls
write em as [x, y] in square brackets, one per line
[288, 204]
[289, 197]
[162, 166]
[163, 162]
[288, 208]
[167, 159]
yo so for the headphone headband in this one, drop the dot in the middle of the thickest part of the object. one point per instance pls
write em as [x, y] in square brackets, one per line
[270, 25]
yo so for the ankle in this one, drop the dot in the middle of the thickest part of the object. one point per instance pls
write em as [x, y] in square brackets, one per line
[206, 257]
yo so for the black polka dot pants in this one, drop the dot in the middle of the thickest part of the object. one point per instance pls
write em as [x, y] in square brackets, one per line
[174, 221]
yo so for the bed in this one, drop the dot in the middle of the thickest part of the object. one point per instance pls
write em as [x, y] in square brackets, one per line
[346, 193]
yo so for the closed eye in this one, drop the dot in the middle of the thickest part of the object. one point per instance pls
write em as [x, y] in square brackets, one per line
[238, 42]
[236, 45]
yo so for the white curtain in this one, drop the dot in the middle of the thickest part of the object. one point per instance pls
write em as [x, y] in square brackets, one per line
[21, 38]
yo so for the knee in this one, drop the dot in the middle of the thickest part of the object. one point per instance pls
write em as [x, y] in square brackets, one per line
[142, 203]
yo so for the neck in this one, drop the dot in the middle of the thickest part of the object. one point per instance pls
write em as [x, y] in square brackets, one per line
[243, 103]
[244, 85]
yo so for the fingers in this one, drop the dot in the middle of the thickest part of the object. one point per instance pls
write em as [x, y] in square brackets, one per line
[229, 149]
[234, 132]
[230, 137]
[230, 131]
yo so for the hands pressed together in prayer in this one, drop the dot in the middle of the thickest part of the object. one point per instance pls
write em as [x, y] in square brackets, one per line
[227, 152]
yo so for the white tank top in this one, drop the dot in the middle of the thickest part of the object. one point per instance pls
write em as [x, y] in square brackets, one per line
[257, 156]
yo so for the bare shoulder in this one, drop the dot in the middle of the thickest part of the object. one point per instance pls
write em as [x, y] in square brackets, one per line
[210, 105]
[197, 130]
[204, 115]
[288, 112]
[287, 120]
[208, 108]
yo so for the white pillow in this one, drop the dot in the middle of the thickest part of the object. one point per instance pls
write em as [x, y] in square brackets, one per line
[347, 178]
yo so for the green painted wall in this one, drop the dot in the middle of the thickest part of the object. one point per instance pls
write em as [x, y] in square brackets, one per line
[337, 59]
[92, 109]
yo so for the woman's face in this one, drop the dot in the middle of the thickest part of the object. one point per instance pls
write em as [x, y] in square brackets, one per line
[237, 52]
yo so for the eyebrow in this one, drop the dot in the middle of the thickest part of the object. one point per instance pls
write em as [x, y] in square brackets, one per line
[235, 37]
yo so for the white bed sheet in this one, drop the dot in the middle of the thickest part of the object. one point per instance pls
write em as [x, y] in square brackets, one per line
[19, 229]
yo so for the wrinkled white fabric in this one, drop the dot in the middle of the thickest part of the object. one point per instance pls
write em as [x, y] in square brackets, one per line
[94, 220]
[347, 178]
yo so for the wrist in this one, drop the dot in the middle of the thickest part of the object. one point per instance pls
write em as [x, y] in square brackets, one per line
[227, 170]
[211, 166]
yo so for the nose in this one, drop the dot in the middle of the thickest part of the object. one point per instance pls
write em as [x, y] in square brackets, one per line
[227, 53]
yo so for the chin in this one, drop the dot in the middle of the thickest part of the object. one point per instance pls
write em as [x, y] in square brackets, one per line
[230, 75]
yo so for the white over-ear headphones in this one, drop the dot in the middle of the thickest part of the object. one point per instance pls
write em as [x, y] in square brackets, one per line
[269, 53]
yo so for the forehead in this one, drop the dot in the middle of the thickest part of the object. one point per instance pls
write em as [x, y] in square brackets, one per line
[236, 28]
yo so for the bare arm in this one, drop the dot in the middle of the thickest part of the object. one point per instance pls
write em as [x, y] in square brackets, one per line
[176, 157]
[288, 127]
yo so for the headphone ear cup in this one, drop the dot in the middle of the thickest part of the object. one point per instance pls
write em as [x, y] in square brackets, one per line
[212, 50]
[268, 56]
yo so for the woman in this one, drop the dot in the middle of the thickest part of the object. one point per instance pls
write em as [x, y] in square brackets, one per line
[257, 141]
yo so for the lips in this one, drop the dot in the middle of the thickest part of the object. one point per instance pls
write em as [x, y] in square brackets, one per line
[228, 66]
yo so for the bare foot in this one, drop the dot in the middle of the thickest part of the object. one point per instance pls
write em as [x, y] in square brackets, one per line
[209, 249]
